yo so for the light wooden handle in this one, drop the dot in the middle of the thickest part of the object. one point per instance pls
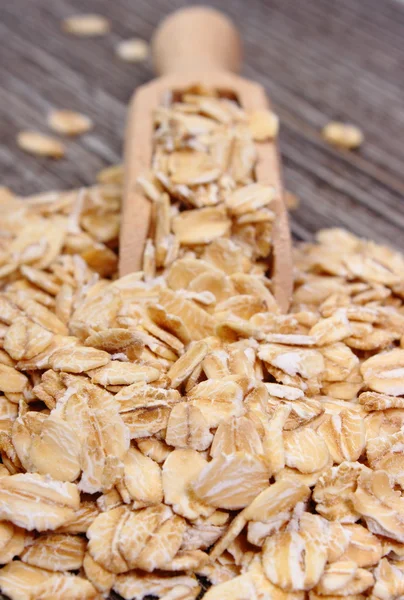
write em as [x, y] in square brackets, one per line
[196, 39]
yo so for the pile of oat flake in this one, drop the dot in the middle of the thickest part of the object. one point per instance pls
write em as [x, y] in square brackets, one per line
[171, 433]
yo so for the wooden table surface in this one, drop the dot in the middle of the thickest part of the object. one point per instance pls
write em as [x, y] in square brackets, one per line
[318, 60]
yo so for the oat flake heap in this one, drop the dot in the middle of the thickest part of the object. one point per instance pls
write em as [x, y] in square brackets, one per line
[173, 424]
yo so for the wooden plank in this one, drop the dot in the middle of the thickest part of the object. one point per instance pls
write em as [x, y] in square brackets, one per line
[317, 60]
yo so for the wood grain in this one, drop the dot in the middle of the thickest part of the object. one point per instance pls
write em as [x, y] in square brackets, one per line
[317, 60]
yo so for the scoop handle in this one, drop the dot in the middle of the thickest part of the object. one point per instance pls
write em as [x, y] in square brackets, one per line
[196, 39]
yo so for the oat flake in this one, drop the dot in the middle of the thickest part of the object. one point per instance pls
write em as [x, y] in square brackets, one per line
[133, 50]
[69, 122]
[86, 25]
[40, 144]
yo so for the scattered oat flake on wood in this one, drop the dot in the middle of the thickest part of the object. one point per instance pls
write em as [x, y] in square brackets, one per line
[343, 135]
[40, 144]
[132, 50]
[86, 25]
[68, 122]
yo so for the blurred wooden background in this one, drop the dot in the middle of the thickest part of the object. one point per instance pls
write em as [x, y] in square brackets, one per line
[318, 60]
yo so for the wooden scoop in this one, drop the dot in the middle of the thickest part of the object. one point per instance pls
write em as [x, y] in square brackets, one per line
[196, 45]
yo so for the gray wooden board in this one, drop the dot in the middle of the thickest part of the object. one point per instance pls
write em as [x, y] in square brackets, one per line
[318, 60]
